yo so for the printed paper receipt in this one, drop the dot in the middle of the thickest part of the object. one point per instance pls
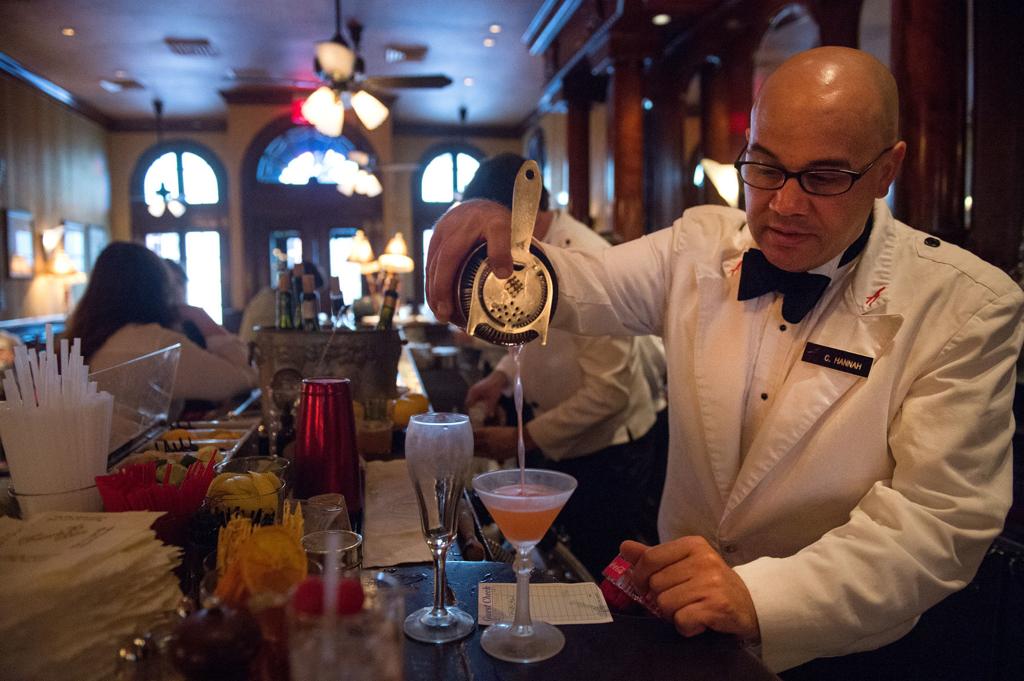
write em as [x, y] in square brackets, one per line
[551, 603]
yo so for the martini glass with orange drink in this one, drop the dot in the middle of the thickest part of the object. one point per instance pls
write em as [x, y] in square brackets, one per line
[523, 502]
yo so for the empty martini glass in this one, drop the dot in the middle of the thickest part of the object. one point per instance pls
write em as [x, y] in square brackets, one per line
[523, 503]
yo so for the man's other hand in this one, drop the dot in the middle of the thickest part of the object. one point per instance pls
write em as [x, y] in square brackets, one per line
[693, 586]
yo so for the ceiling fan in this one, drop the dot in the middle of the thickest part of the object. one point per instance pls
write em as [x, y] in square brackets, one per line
[341, 69]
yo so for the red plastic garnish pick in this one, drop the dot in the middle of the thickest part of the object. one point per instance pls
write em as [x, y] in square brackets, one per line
[350, 596]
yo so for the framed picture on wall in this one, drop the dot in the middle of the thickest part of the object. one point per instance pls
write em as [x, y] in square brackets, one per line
[75, 245]
[96, 240]
[20, 243]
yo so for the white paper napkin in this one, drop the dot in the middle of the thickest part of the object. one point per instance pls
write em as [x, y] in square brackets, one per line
[75, 586]
[580, 603]
[391, 522]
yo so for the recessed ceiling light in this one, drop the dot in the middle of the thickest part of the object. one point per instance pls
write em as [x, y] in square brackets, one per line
[495, 28]
[660, 19]
[68, 31]
[488, 42]
[468, 82]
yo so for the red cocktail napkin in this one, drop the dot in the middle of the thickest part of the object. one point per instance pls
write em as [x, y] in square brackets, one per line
[135, 488]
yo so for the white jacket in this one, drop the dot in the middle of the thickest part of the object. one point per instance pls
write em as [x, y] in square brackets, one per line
[217, 373]
[587, 392]
[862, 501]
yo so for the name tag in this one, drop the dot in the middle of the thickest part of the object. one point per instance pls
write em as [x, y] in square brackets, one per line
[840, 360]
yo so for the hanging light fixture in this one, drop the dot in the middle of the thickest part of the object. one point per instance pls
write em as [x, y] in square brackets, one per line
[325, 111]
[370, 110]
[352, 179]
[395, 257]
[337, 63]
[335, 59]
[158, 206]
[362, 253]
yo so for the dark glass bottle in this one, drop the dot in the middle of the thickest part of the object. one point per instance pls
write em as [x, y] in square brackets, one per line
[297, 273]
[337, 303]
[387, 309]
[310, 304]
[285, 313]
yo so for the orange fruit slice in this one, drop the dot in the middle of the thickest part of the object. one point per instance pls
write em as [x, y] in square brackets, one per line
[407, 406]
[272, 560]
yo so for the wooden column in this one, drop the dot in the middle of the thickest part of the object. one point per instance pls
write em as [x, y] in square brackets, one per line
[727, 98]
[626, 143]
[714, 119]
[838, 21]
[929, 56]
[997, 216]
[579, 90]
[666, 148]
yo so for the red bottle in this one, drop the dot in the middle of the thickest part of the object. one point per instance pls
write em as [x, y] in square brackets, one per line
[325, 457]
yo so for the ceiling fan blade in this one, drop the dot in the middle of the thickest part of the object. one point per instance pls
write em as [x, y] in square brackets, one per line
[247, 79]
[431, 81]
[398, 167]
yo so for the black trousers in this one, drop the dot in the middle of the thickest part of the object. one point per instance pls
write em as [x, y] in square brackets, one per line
[608, 505]
[655, 478]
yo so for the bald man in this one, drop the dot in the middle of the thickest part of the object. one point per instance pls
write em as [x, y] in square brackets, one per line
[840, 384]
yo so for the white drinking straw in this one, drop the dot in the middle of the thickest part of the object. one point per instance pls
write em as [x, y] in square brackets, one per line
[330, 597]
[55, 423]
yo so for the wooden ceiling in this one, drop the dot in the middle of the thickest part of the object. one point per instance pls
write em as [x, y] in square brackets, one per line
[271, 42]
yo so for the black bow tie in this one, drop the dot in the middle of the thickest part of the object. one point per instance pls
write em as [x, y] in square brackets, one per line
[800, 290]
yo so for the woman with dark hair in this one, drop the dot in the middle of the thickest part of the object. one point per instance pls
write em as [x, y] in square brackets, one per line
[128, 310]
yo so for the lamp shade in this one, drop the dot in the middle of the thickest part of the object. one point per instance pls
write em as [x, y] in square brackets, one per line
[62, 264]
[347, 177]
[725, 180]
[369, 267]
[325, 111]
[157, 208]
[368, 184]
[392, 262]
[396, 256]
[362, 251]
[397, 245]
[176, 208]
[371, 111]
[336, 59]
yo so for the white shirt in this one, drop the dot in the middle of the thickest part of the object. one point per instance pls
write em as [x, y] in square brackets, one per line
[215, 374]
[587, 392]
[778, 347]
[260, 311]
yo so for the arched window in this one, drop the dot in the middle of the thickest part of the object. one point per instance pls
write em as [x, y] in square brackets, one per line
[792, 29]
[196, 240]
[184, 174]
[302, 202]
[447, 169]
[302, 155]
[446, 175]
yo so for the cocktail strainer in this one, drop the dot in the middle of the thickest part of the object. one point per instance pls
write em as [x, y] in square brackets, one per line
[516, 310]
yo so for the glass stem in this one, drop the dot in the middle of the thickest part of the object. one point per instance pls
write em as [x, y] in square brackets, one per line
[523, 624]
[440, 553]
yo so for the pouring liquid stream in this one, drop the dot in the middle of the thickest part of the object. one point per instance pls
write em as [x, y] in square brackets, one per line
[514, 352]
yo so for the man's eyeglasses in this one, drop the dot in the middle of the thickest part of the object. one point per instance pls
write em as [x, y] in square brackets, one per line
[819, 182]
